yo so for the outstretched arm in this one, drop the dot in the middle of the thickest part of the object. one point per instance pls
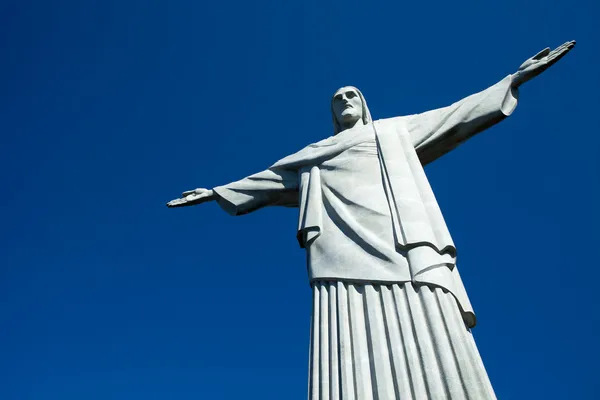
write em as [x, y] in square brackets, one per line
[272, 187]
[436, 132]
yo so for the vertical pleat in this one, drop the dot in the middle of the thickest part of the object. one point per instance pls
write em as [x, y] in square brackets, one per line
[397, 341]
[334, 369]
[400, 370]
[411, 346]
[348, 391]
[431, 369]
[443, 350]
[360, 347]
[381, 369]
[471, 368]
[324, 345]
[479, 369]
[315, 344]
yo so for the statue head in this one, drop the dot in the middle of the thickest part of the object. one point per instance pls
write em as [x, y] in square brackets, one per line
[348, 107]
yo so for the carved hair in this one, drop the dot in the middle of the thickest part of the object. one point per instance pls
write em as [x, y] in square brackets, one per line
[366, 115]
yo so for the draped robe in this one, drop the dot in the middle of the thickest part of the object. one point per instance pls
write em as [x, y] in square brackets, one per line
[366, 210]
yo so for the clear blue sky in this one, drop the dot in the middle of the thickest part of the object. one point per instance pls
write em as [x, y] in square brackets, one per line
[108, 109]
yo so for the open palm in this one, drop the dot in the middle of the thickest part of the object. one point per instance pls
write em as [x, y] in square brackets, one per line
[537, 64]
[192, 197]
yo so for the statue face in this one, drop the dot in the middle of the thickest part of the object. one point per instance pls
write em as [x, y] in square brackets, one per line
[347, 106]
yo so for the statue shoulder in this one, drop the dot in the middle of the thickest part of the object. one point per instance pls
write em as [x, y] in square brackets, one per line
[393, 122]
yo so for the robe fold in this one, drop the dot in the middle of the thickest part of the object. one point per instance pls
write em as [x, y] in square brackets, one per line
[367, 213]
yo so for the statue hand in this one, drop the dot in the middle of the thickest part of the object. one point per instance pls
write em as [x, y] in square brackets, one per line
[540, 62]
[192, 197]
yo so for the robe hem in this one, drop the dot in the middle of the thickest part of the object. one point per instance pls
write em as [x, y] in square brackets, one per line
[468, 316]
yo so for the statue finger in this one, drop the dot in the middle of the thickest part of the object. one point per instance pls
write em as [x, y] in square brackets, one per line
[555, 57]
[528, 64]
[188, 192]
[560, 52]
[542, 54]
[525, 64]
[561, 48]
[175, 203]
[570, 44]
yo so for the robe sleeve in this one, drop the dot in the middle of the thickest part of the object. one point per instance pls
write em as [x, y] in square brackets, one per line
[272, 187]
[436, 132]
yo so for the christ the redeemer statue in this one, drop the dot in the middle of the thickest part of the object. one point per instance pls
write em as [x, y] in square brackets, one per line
[391, 318]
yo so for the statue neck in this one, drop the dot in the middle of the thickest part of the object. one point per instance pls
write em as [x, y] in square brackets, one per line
[354, 124]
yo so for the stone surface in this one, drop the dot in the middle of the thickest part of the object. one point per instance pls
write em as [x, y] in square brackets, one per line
[391, 317]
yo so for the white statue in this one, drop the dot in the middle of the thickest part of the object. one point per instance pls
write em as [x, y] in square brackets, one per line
[391, 318]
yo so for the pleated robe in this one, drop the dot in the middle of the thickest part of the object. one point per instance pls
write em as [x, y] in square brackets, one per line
[395, 341]
[391, 319]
